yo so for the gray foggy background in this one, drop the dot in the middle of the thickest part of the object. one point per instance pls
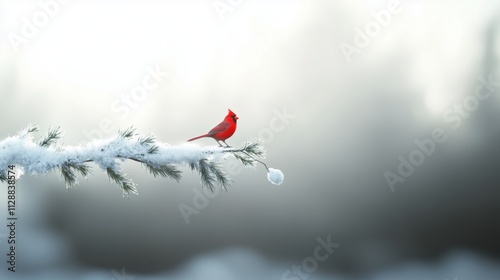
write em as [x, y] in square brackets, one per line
[349, 119]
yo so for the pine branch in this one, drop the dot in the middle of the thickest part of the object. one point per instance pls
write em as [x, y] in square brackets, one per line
[211, 174]
[146, 140]
[159, 159]
[127, 133]
[248, 155]
[153, 149]
[28, 131]
[52, 136]
[125, 184]
[69, 175]
[165, 171]
[245, 159]
[220, 176]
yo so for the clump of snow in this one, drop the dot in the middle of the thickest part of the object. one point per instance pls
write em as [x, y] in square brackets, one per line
[275, 176]
[29, 156]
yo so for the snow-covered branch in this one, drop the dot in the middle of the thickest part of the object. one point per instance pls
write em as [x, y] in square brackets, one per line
[159, 159]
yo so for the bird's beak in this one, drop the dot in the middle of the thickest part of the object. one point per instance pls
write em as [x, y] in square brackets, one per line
[236, 117]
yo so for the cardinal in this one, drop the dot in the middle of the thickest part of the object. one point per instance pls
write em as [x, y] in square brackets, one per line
[222, 131]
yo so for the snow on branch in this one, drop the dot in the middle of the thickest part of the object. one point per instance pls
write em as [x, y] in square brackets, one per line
[159, 159]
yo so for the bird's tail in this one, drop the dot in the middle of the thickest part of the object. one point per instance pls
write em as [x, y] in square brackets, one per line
[198, 137]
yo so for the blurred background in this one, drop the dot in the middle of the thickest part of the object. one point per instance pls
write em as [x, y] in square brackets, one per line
[340, 91]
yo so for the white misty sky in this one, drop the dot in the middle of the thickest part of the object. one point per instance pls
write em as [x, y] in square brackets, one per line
[92, 53]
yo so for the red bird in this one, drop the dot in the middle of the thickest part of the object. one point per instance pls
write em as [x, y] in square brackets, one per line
[222, 131]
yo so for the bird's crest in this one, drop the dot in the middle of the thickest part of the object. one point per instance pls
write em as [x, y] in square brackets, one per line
[232, 115]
